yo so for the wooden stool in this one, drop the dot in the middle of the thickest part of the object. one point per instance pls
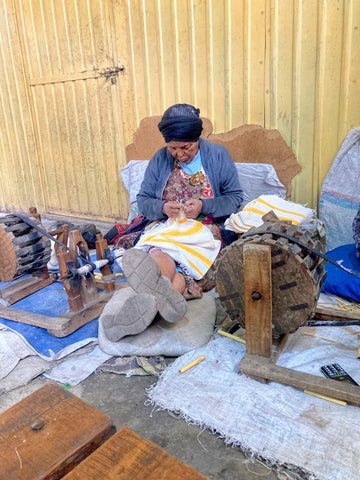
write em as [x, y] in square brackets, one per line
[48, 433]
[128, 456]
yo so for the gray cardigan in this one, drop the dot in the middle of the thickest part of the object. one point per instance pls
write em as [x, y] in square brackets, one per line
[219, 169]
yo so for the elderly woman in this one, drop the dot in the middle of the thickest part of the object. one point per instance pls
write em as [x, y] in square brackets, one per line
[192, 174]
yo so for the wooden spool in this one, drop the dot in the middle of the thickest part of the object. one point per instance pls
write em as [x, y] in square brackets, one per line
[22, 248]
[297, 276]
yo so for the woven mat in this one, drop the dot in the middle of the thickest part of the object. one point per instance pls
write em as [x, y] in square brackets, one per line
[273, 421]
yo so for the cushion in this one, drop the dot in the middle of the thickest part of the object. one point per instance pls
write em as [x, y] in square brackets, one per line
[163, 338]
[338, 281]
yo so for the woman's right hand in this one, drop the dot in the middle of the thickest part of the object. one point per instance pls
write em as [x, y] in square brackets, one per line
[171, 209]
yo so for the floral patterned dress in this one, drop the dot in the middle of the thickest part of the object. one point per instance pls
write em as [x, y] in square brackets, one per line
[181, 187]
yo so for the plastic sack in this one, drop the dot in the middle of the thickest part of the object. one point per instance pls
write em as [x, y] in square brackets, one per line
[259, 179]
[340, 193]
[190, 243]
[132, 176]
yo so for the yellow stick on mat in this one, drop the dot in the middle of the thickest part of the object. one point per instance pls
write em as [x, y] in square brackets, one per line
[233, 337]
[351, 333]
[192, 364]
[319, 336]
[325, 397]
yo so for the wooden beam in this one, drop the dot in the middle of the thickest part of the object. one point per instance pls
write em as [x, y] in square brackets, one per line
[24, 288]
[257, 366]
[328, 313]
[63, 324]
[71, 321]
[257, 296]
[30, 318]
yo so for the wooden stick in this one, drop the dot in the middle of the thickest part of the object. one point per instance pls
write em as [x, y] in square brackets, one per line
[192, 364]
[319, 336]
[351, 333]
[229, 335]
[325, 397]
[257, 366]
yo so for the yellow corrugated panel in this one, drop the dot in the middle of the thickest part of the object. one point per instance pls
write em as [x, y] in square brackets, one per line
[73, 74]
[277, 63]
[79, 77]
[20, 185]
[302, 115]
[328, 88]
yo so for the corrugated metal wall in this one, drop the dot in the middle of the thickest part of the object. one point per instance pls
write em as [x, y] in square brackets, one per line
[80, 75]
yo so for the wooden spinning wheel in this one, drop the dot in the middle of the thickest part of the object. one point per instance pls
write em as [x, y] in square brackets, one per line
[22, 248]
[251, 289]
[297, 275]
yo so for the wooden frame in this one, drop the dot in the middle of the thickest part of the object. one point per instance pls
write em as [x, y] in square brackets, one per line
[85, 301]
[260, 360]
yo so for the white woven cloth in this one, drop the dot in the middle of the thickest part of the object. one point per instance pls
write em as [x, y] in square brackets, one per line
[187, 241]
[251, 215]
[274, 421]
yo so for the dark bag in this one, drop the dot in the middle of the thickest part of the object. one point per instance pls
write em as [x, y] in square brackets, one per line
[356, 230]
[89, 233]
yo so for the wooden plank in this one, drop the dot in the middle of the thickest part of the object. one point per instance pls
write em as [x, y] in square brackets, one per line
[129, 456]
[71, 321]
[63, 324]
[24, 288]
[255, 365]
[328, 313]
[101, 246]
[30, 318]
[48, 433]
[257, 296]
[278, 346]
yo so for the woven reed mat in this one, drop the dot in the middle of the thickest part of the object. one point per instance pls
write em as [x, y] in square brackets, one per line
[276, 422]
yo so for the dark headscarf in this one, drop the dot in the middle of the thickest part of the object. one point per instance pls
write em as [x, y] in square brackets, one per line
[181, 123]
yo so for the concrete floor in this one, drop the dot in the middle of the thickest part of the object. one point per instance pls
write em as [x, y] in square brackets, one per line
[123, 399]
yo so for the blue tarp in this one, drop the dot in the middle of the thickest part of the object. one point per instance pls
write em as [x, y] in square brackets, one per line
[51, 301]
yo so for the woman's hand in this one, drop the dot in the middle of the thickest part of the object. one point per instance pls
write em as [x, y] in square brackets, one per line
[192, 208]
[171, 209]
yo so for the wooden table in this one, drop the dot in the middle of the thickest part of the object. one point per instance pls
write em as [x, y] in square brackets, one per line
[128, 456]
[48, 433]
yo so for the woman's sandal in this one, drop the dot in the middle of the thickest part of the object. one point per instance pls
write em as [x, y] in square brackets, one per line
[136, 312]
[143, 275]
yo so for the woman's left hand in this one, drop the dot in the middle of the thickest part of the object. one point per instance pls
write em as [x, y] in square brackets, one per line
[192, 208]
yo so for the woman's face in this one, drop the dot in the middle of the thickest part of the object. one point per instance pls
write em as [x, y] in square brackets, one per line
[183, 151]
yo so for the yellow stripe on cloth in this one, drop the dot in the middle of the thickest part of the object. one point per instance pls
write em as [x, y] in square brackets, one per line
[190, 250]
[288, 212]
[190, 230]
[251, 215]
[275, 210]
[189, 243]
